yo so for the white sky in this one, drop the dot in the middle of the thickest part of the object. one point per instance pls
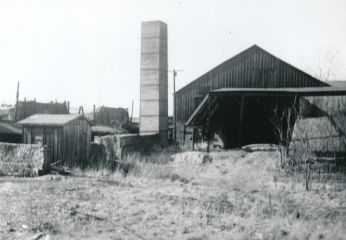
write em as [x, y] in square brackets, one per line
[88, 52]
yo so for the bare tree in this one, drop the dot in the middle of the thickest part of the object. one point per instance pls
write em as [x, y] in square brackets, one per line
[328, 65]
[281, 120]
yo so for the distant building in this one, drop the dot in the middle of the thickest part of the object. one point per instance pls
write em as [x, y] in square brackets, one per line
[68, 137]
[108, 115]
[27, 108]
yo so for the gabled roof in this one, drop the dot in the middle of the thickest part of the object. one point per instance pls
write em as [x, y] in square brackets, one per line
[255, 68]
[7, 128]
[51, 119]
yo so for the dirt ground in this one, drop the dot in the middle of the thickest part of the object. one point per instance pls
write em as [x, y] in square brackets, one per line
[233, 195]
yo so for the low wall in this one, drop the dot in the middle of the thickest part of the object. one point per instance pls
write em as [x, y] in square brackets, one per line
[18, 158]
[117, 146]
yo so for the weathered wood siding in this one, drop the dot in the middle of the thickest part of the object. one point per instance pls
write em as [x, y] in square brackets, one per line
[77, 140]
[69, 143]
[253, 68]
[51, 136]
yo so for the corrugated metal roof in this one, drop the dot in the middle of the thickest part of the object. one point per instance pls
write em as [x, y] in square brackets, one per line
[6, 128]
[50, 119]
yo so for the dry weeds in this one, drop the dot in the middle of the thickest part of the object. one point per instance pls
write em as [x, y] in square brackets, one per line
[238, 195]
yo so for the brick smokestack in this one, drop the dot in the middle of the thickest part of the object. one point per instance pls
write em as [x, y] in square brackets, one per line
[154, 79]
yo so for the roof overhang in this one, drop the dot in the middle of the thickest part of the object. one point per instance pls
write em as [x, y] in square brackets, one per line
[202, 110]
[272, 92]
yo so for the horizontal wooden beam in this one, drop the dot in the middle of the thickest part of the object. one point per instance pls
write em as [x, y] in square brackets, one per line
[276, 93]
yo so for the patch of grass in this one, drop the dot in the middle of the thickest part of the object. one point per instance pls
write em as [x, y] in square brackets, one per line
[233, 197]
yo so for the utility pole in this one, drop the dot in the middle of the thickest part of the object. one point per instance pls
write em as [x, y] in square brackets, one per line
[81, 110]
[132, 111]
[16, 111]
[174, 113]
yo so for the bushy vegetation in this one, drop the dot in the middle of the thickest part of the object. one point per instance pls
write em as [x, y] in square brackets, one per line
[313, 148]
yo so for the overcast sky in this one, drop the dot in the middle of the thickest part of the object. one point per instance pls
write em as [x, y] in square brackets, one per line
[88, 52]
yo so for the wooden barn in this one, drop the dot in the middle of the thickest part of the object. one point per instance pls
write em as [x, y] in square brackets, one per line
[67, 136]
[233, 104]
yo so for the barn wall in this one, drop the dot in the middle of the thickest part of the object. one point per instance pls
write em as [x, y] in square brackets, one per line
[253, 68]
[76, 142]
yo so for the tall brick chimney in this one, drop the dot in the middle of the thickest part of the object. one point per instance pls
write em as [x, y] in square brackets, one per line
[154, 79]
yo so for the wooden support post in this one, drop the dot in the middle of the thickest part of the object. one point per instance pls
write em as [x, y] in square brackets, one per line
[184, 136]
[241, 118]
[193, 138]
[208, 127]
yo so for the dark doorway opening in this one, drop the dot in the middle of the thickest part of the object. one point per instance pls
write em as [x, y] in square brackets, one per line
[259, 121]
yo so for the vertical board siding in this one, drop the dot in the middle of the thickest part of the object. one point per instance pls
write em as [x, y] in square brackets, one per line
[69, 143]
[253, 68]
[77, 135]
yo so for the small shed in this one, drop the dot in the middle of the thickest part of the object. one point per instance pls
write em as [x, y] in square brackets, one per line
[67, 136]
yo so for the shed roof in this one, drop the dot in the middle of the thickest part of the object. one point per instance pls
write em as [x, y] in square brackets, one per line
[200, 112]
[7, 128]
[50, 119]
[333, 90]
